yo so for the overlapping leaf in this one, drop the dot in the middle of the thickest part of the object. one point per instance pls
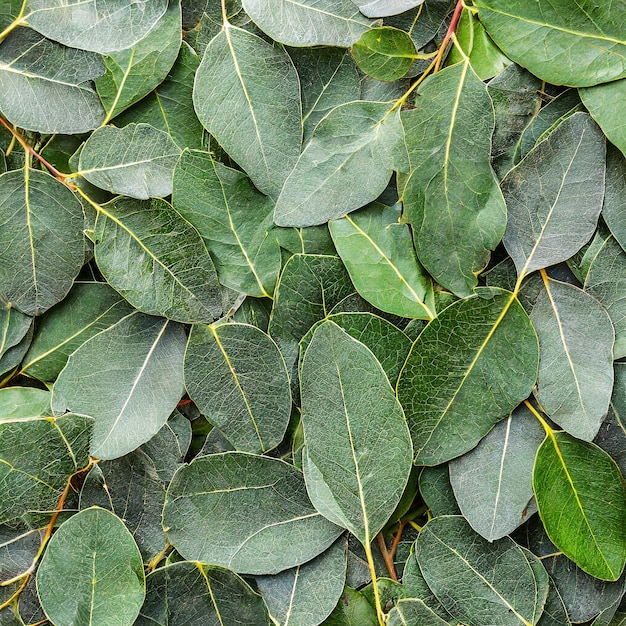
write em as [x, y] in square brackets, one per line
[384, 8]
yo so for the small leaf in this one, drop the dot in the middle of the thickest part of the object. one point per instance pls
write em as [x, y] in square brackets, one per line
[237, 377]
[128, 378]
[343, 384]
[413, 612]
[243, 77]
[98, 555]
[346, 164]
[18, 403]
[308, 22]
[384, 53]
[582, 504]
[14, 328]
[615, 194]
[436, 489]
[480, 582]
[116, 25]
[353, 609]
[250, 513]
[137, 160]
[157, 260]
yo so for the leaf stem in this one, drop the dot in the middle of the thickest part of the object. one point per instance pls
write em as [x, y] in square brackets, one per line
[387, 556]
[370, 563]
[158, 558]
[542, 421]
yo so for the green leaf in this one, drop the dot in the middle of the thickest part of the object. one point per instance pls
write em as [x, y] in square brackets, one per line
[196, 594]
[554, 195]
[414, 612]
[131, 488]
[18, 551]
[98, 555]
[451, 197]
[385, 53]
[246, 512]
[606, 281]
[480, 582]
[613, 209]
[170, 106]
[582, 504]
[133, 73]
[348, 480]
[128, 378]
[237, 377]
[37, 456]
[137, 160]
[436, 490]
[309, 22]
[385, 8]
[234, 220]
[353, 609]
[243, 77]
[14, 328]
[88, 309]
[116, 25]
[471, 366]
[576, 358]
[41, 240]
[346, 164]
[307, 594]
[377, 251]
[565, 43]
[46, 87]
[493, 483]
[17, 403]
[157, 260]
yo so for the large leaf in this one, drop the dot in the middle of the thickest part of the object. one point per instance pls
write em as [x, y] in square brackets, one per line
[347, 163]
[378, 253]
[234, 220]
[246, 512]
[137, 160]
[37, 456]
[493, 483]
[243, 77]
[307, 594]
[45, 86]
[343, 385]
[480, 582]
[196, 594]
[88, 309]
[151, 255]
[581, 501]
[41, 240]
[565, 43]
[309, 22]
[237, 377]
[128, 378]
[451, 197]
[471, 366]
[554, 195]
[98, 555]
[93, 24]
[133, 73]
[576, 358]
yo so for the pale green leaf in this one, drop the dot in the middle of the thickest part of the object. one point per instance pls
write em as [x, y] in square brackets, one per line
[197, 594]
[92, 572]
[471, 366]
[565, 43]
[343, 384]
[128, 378]
[385, 8]
[243, 78]
[92, 25]
[576, 358]
[46, 87]
[582, 504]
[137, 160]
[480, 582]
[237, 377]
[346, 164]
[18, 403]
[234, 220]
[309, 22]
[377, 251]
[41, 240]
[493, 483]
[384, 53]
[246, 512]
[451, 197]
[157, 260]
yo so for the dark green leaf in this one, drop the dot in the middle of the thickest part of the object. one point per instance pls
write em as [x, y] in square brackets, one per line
[436, 490]
[615, 194]
[353, 609]
[385, 53]
[14, 328]
[414, 612]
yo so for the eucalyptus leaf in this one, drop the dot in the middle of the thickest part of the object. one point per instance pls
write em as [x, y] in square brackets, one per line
[246, 512]
[128, 378]
[414, 612]
[94, 550]
[14, 327]
[615, 194]
[353, 609]
[436, 490]
[384, 8]
[18, 403]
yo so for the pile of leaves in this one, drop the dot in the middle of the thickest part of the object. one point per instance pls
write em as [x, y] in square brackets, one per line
[312, 312]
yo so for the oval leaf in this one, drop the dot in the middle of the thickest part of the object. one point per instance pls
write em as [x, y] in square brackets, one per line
[384, 53]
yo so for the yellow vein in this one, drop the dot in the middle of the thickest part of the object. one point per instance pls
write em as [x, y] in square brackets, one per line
[53, 421]
[5, 330]
[292, 595]
[29, 227]
[120, 88]
[208, 584]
